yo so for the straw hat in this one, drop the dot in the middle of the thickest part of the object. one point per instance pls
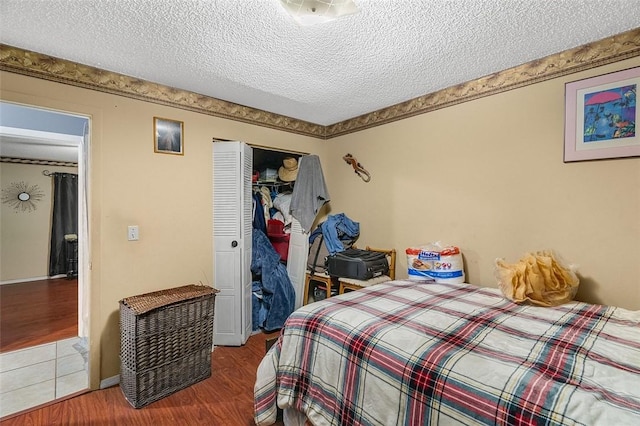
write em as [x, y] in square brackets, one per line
[289, 169]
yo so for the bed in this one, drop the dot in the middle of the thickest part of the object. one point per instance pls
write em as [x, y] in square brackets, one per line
[408, 352]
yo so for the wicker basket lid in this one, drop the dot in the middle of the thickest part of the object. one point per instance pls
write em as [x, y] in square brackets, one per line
[143, 303]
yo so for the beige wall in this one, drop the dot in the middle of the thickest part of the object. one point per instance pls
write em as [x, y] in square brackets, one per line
[25, 235]
[488, 176]
[485, 175]
[169, 197]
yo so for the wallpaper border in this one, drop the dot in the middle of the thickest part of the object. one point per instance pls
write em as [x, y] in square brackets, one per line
[15, 160]
[612, 49]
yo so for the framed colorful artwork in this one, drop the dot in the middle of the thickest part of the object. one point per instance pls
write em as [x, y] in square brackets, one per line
[601, 117]
[168, 136]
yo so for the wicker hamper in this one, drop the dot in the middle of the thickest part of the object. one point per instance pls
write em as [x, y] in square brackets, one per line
[166, 339]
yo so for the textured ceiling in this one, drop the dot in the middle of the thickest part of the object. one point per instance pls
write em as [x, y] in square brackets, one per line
[252, 52]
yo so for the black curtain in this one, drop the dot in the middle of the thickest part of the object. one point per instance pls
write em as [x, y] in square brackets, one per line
[64, 221]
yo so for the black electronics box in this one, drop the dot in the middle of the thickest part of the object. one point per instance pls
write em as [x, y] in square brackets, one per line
[358, 264]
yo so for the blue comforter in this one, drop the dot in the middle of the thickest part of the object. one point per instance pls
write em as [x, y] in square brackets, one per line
[273, 294]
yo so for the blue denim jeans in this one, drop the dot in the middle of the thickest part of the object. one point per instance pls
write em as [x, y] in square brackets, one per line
[334, 226]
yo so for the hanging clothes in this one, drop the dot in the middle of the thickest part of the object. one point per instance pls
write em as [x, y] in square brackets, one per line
[267, 203]
[274, 296]
[259, 221]
[310, 191]
[283, 204]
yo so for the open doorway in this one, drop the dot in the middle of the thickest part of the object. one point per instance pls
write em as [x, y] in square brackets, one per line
[44, 357]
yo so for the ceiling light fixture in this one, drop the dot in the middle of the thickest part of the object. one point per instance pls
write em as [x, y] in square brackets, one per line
[310, 12]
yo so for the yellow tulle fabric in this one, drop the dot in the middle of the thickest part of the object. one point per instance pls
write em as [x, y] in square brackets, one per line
[540, 278]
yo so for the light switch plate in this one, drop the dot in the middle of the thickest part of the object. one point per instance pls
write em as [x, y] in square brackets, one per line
[133, 234]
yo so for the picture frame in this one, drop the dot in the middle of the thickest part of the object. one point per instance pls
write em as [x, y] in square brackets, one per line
[601, 117]
[168, 136]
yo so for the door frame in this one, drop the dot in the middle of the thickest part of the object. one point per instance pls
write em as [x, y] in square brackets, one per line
[84, 235]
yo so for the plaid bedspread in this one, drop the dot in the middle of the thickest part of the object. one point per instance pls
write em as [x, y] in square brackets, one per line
[416, 354]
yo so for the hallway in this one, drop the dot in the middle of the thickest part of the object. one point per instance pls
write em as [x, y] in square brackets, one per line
[37, 312]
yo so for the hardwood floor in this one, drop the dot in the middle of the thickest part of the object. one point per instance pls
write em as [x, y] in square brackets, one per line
[37, 312]
[226, 398]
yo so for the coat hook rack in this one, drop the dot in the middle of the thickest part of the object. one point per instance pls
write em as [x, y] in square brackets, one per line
[357, 167]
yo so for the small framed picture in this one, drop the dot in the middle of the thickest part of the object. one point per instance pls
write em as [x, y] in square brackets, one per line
[601, 116]
[168, 136]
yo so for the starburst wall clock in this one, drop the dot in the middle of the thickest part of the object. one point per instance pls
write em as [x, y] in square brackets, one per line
[22, 196]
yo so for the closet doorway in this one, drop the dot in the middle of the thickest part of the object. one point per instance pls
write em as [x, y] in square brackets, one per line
[233, 171]
[38, 148]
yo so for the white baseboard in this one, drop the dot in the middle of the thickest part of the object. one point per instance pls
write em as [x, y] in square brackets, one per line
[26, 280]
[110, 381]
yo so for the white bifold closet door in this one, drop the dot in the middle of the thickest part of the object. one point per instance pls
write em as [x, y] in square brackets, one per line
[232, 229]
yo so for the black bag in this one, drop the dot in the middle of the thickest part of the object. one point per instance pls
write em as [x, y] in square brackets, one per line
[358, 264]
[318, 253]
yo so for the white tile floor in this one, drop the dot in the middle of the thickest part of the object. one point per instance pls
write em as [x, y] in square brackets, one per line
[40, 374]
